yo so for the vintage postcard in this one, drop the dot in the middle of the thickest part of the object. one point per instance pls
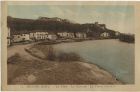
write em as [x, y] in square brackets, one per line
[70, 45]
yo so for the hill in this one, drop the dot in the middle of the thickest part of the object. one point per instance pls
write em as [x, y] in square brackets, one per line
[56, 25]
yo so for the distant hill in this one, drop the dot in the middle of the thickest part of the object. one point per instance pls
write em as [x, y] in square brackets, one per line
[55, 25]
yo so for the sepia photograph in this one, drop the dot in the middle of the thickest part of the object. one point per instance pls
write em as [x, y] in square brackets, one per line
[81, 44]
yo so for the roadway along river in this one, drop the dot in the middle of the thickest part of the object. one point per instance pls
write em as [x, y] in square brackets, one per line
[112, 55]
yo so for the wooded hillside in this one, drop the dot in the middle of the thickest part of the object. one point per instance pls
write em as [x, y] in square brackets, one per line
[55, 25]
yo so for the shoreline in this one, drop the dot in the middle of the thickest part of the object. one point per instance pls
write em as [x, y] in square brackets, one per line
[80, 61]
[59, 41]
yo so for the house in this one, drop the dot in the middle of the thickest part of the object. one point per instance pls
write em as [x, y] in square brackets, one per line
[8, 37]
[52, 36]
[17, 38]
[50, 19]
[42, 35]
[32, 35]
[66, 34]
[104, 34]
[70, 35]
[38, 35]
[21, 37]
[25, 37]
[103, 26]
[62, 34]
[80, 35]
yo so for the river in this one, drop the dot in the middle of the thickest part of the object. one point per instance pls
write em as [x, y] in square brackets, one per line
[112, 55]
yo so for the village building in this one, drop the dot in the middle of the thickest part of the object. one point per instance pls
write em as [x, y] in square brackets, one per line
[105, 35]
[41, 35]
[32, 35]
[62, 34]
[103, 26]
[51, 19]
[25, 37]
[80, 35]
[52, 36]
[20, 37]
[66, 34]
[70, 35]
[17, 38]
[38, 35]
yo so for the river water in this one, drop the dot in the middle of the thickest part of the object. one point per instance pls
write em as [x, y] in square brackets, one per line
[112, 55]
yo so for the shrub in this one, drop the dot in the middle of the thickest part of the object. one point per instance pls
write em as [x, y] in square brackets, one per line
[52, 55]
[67, 57]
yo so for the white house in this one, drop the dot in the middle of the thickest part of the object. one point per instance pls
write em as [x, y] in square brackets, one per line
[20, 37]
[38, 35]
[63, 34]
[66, 34]
[70, 35]
[81, 35]
[105, 34]
[41, 35]
[25, 37]
[52, 36]
[32, 35]
[17, 38]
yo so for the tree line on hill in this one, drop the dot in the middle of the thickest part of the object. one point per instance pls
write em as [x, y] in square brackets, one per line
[63, 25]
[17, 24]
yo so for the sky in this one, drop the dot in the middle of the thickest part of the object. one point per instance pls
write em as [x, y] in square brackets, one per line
[116, 17]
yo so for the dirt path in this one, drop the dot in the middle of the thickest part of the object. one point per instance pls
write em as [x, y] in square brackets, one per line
[20, 49]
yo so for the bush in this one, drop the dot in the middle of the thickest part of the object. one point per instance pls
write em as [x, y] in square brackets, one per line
[62, 56]
[52, 55]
